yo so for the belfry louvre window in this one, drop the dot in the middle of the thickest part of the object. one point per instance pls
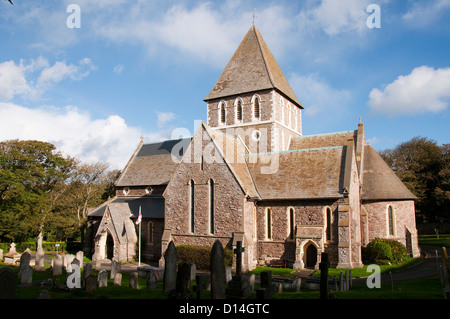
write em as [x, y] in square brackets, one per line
[256, 108]
[328, 225]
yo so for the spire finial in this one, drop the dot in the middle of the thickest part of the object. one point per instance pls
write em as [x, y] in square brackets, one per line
[254, 16]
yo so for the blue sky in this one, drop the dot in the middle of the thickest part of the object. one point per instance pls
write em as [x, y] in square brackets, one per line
[142, 68]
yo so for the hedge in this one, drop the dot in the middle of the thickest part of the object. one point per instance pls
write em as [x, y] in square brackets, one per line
[47, 245]
[200, 256]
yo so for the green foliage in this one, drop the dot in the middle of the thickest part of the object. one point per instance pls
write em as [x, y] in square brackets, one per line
[424, 167]
[200, 256]
[46, 245]
[385, 251]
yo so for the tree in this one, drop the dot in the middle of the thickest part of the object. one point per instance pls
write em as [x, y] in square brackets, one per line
[30, 173]
[424, 168]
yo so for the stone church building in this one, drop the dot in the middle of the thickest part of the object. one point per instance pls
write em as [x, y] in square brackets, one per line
[249, 174]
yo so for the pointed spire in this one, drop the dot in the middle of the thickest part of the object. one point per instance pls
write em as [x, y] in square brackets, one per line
[252, 68]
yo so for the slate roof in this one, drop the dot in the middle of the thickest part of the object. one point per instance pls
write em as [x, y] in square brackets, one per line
[299, 174]
[321, 140]
[379, 181]
[252, 68]
[153, 164]
[151, 207]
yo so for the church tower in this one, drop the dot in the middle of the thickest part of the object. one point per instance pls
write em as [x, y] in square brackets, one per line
[252, 99]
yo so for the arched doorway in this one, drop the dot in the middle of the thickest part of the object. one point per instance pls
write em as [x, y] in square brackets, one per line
[311, 256]
[109, 246]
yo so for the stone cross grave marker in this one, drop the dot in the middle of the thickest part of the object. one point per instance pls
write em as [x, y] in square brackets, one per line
[239, 286]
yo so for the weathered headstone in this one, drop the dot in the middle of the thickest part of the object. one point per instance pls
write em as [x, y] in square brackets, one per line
[267, 288]
[217, 271]
[91, 283]
[152, 280]
[24, 263]
[252, 281]
[74, 278]
[12, 256]
[202, 282]
[79, 257]
[170, 269]
[239, 286]
[8, 283]
[68, 258]
[323, 266]
[57, 265]
[134, 280]
[228, 274]
[26, 276]
[181, 290]
[118, 279]
[102, 278]
[115, 268]
[86, 272]
[44, 294]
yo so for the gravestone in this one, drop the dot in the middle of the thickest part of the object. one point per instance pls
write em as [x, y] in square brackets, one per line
[267, 288]
[115, 268]
[86, 272]
[134, 280]
[12, 256]
[202, 283]
[24, 262]
[80, 257]
[8, 283]
[170, 269]
[217, 265]
[68, 258]
[57, 265]
[239, 286]
[26, 276]
[74, 278]
[323, 266]
[91, 283]
[102, 278]
[118, 279]
[152, 280]
[44, 294]
[181, 290]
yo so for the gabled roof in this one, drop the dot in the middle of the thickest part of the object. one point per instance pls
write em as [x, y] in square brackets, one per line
[380, 181]
[153, 164]
[299, 174]
[321, 140]
[252, 68]
[151, 207]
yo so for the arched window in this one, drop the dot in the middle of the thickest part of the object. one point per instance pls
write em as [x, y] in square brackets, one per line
[291, 223]
[211, 206]
[192, 206]
[391, 220]
[239, 115]
[222, 113]
[256, 107]
[269, 223]
[328, 223]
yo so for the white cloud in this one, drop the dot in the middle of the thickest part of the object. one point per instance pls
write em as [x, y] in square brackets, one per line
[18, 79]
[424, 90]
[74, 132]
[336, 17]
[118, 69]
[425, 12]
[12, 80]
[164, 117]
[317, 96]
